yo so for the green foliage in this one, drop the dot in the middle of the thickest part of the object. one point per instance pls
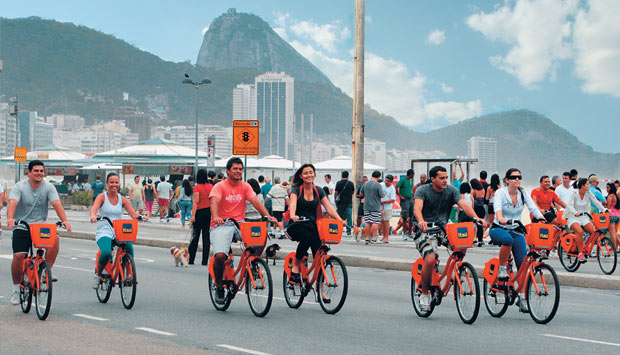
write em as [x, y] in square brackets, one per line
[82, 198]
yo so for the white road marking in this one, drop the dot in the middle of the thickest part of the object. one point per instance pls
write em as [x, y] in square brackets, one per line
[86, 251]
[145, 260]
[10, 257]
[155, 331]
[90, 317]
[361, 251]
[243, 350]
[1, 296]
[74, 268]
[579, 339]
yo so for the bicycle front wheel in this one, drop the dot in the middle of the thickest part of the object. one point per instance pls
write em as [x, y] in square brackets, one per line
[570, 262]
[606, 256]
[25, 295]
[43, 294]
[467, 293]
[415, 299]
[212, 294]
[104, 290]
[495, 299]
[543, 294]
[129, 285]
[332, 285]
[292, 293]
[260, 293]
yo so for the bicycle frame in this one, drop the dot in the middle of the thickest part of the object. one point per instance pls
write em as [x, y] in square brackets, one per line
[30, 267]
[450, 271]
[113, 268]
[235, 276]
[525, 272]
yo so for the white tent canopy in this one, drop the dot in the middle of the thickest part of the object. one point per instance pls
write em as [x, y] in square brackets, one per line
[268, 162]
[344, 162]
[154, 147]
[103, 166]
[51, 153]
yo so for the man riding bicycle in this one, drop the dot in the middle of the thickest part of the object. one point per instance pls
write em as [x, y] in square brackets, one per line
[228, 202]
[28, 202]
[433, 203]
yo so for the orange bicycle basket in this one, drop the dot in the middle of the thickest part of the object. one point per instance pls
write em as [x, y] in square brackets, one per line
[568, 242]
[253, 234]
[126, 230]
[330, 230]
[600, 220]
[43, 235]
[540, 235]
[559, 215]
[461, 235]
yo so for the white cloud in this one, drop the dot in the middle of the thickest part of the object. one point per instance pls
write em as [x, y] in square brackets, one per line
[281, 31]
[447, 89]
[597, 47]
[538, 32]
[326, 36]
[436, 37]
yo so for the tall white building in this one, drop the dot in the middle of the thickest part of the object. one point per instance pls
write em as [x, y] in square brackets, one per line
[65, 122]
[275, 108]
[485, 150]
[7, 131]
[97, 138]
[244, 102]
[186, 136]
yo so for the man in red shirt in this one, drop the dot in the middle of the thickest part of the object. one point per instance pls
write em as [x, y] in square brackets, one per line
[228, 202]
[545, 199]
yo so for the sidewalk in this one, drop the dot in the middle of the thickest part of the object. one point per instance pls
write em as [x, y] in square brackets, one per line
[397, 255]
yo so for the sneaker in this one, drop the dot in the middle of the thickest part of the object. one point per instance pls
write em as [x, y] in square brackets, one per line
[425, 302]
[522, 303]
[480, 244]
[220, 296]
[367, 241]
[15, 298]
[582, 258]
[295, 278]
[502, 275]
[96, 281]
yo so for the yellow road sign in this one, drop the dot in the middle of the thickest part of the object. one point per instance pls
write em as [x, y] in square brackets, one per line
[246, 137]
[20, 154]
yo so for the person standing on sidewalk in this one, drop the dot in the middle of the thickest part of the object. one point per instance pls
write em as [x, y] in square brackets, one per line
[344, 199]
[149, 197]
[185, 201]
[201, 217]
[264, 190]
[278, 197]
[373, 193]
[405, 191]
[28, 202]
[386, 202]
[163, 197]
[360, 196]
[331, 187]
[98, 187]
[136, 195]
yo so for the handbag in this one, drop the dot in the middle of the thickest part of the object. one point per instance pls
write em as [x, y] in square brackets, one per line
[340, 194]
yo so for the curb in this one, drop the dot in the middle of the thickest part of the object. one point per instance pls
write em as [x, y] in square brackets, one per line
[602, 282]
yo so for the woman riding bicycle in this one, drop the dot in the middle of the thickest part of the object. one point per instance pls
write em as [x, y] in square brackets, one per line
[108, 204]
[578, 204]
[304, 202]
[508, 204]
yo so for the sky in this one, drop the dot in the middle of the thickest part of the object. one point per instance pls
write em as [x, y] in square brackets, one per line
[428, 64]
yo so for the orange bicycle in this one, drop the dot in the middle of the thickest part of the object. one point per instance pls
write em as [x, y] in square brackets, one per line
[327, 276]
[456, 272]
[605, 249]
[252, 272]
[121, 269]
[535, 279]
[37, 272]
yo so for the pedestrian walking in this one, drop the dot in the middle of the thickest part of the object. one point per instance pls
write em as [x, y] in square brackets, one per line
[278, 197]
[386, 202]
[201, 217]
[373, 193]
[136, 195]
[185, 201]
[344, 199]
[163, 197]
[149, 197]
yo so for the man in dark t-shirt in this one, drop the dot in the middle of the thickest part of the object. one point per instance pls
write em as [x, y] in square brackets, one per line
[344, 198]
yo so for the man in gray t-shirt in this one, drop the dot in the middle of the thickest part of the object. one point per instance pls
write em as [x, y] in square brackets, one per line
[373, 193]
[28, 202]
[433, 203]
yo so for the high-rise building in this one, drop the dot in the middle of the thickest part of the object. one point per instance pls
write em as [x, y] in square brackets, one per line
[485, 150]
[137, 121]
[34, 132]
[43, 134]
[186, 136]
[275, 108]
[244, 102]
[7, 131]
[65, 122]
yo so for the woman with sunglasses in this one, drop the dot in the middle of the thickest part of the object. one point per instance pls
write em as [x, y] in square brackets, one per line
[508, 204]
[577, 206]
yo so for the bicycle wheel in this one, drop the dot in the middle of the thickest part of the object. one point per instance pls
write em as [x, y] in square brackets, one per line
[543, 294]
[467, 295]
[104, 290]
[606, 256]
[495, 300]
[415, 298]
[260, 294]
[333, 285]
[43, 294]
[130, 285]
[25, 295]
[292, 293]
[570, 262]
[212, 290]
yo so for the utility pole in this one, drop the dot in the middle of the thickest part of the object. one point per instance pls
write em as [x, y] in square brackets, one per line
[358, 102]
[311, 135]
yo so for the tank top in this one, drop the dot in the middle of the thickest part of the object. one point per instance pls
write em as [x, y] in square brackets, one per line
[113, 212]
[467, 198]
[149, 193]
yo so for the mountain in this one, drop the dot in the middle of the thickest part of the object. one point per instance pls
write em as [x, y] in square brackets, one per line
[239, 40]
[528, 141]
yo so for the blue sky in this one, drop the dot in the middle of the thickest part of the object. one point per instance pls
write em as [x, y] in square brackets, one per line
[428, 63]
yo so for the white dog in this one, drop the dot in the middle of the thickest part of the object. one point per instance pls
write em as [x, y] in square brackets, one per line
[181, 256]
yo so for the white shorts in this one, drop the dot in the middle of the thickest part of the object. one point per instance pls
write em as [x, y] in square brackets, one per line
[222, 237]
[386, 215]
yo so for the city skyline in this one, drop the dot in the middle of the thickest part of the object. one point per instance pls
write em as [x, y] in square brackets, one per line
[427, 65]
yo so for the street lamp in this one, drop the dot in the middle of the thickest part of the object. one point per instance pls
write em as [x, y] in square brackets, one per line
[205, 81]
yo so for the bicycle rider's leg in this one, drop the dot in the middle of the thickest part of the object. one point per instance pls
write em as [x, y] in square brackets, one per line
[52, 253]
[428, 247]
[519, 248]
[105, 246]
[129, 247]
[501, 236]
[221, 239]
[576, 228]
[21, 244]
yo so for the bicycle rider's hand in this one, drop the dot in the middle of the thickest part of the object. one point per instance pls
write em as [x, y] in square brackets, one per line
[272, 219]
[423, 226]
[483, 222]
[503, 220]
[145, 219]
[577, 214]
[67, 226]
[93, 219]
[295, 218]
[10, 223]
[218, 221]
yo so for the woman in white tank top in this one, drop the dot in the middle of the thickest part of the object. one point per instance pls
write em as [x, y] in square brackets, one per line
[108, 204]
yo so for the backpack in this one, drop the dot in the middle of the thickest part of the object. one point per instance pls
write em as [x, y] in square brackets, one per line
[286, 216]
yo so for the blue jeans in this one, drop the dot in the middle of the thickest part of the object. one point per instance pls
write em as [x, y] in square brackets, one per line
[511, 239]
[186, 210]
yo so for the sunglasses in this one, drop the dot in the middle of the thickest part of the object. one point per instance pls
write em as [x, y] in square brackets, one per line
[515, 177]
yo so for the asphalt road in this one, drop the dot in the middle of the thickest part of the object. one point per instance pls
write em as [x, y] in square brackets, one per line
[173, 313]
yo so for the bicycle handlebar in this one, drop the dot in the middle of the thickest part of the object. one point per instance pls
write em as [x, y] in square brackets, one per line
[59, 224]
[101, 218]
